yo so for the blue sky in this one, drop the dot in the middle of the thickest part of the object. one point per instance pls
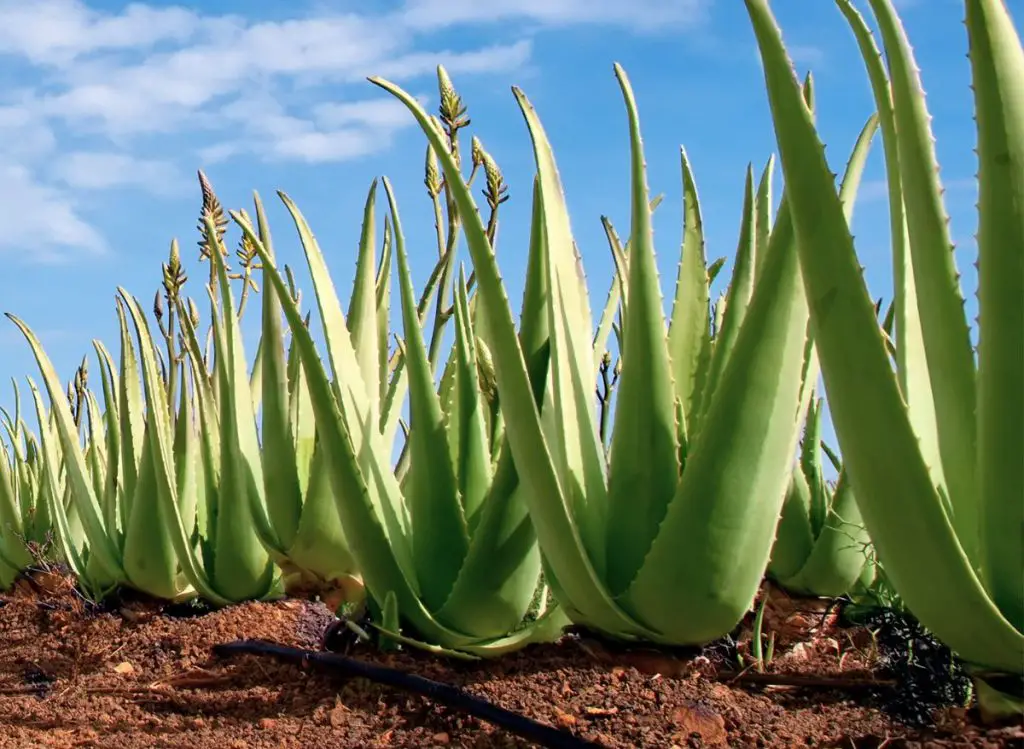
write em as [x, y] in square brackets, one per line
[107, 110]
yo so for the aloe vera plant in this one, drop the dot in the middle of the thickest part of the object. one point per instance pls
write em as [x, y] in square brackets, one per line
[668, 538]
[103, 496]
[934, 449]
[822, 547]
[293, 509]
[99, 495]
[24, 510]
[449, 549]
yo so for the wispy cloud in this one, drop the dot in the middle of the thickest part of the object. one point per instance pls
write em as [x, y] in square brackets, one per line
[102, 170]
[104, 89]
[639, 15]
[56, 32]
[40, 222]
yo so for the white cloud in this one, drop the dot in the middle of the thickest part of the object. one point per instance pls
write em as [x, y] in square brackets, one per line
[639, 15]
[41, 223]
[103, 92]
[55, 32]
[101, 170]
[387, 113]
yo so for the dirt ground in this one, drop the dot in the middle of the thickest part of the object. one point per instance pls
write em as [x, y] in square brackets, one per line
[135, 675]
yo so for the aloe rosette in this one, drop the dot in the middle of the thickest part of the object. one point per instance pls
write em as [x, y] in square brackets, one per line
[24, 510]
[668, 538]
[934, 449]
[448, 550]
[295, 514]
[110, 519]
[292, 509]
[822, 547]
[99, 494]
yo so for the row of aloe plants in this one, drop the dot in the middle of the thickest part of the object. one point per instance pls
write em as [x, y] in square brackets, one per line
[509, 491]
[247, 511]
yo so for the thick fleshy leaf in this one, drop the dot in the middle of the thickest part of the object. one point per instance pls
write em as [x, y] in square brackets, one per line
[763, 214]
[714, 543]
[737, 298]
[242, 568]
[362, 314]
[644, 463]
[689, 332]
[440, 538]
[880, 450]
[550, 506]
[948, 355]
[282, 491]
[82, 492]
[997, 61]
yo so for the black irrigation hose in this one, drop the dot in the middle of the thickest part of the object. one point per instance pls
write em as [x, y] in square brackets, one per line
[444, 694]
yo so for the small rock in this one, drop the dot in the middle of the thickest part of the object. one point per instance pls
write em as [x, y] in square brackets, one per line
[565, 720]
[706, 724]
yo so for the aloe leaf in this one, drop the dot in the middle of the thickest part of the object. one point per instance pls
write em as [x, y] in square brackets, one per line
[579, 454]
[440, 535]
[186, 450]
[613, 303]
[734, 482]
[320, 545]
[794, 538]
[644, 463]
[473, 463]
[880, 450]
[158, 433]
[349, 387]
[763, 214]
[620, 258]
[150, 562]
[915, 382]
[242, 568]
[13, 550]
[362, 315]
[549, 506]
[131, 415]
[280, 474]
[209, 425]
[256, 378]
[534, 322]
[383, 287]
[376, 553]
[95, 454]
[498, 579]
[86, 502]
[49, 492]
[997, 61]
[300, 417]
[737, 298]
[689, 333]
[840, 550]
[391, 408]
[111, 417]
[947, 345]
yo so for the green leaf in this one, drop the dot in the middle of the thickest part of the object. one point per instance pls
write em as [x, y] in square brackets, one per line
[644, 463]
[901, 507]
[997, 61]
[689, 339]
[439, 533]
